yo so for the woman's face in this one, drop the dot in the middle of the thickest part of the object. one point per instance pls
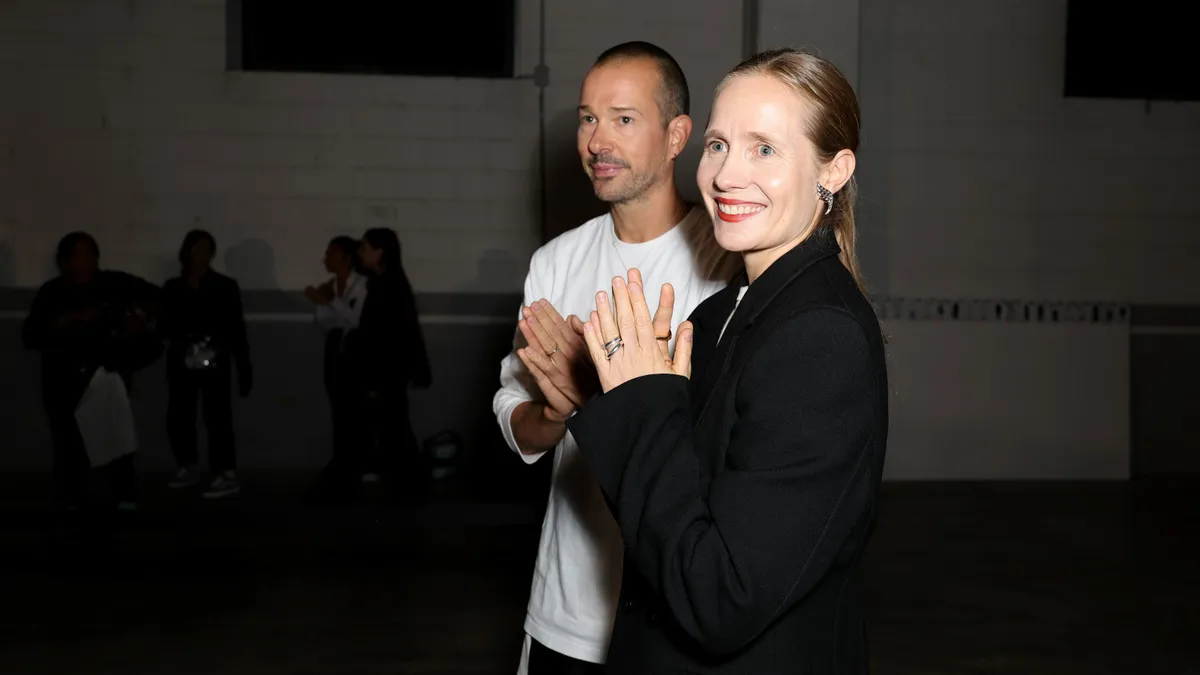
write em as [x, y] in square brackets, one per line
[336, 260]
[759, 171]
[199, 256]
[369, 255]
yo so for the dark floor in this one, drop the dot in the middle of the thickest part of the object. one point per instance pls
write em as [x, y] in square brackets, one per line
[963, 578]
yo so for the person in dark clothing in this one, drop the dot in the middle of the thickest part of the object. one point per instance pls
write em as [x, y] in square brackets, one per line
[338, 304]
[83, 320]
[389, 355]
[205, 331]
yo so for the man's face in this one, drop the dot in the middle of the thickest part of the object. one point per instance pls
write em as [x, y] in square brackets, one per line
[625, 147]
[81, 263]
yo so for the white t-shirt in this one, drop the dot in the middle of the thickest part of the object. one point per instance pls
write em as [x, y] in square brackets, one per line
[577, 578]
[345, 309]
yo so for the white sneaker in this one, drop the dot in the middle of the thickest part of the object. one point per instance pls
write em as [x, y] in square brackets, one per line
[185, 477]
[224, 486]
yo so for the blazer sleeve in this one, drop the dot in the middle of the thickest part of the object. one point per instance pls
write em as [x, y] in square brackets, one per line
[727, 560]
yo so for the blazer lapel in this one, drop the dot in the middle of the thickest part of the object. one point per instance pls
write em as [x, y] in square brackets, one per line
[708, 355]
[711, 358]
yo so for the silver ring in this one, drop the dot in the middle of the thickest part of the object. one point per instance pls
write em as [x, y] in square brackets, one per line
[552, 352]
[611, 347]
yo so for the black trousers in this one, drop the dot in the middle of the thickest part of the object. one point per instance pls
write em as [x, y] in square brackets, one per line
[396, 450]
[545, 661]
[351, 438]
[213, 390]
[71, 467]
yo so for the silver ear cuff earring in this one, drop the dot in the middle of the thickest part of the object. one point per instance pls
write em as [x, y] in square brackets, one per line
[826, 196]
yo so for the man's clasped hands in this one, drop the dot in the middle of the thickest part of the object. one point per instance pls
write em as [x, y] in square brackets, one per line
[573, 361]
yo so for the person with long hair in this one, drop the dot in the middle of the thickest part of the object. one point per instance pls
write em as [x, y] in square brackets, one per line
[338, 305]
[390, 357]
[205, 330]
[746, 496]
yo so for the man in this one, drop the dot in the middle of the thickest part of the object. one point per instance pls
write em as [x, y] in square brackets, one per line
[81, 321]
[633, 124]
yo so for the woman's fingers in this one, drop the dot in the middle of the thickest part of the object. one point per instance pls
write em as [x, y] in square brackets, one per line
[595, 343]
[626, 324]
[682, 365]
[604, 319]
[642, 322]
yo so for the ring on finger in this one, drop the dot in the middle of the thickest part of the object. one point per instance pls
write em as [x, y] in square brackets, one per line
[664, 338]
[552, 352]
[611, 347]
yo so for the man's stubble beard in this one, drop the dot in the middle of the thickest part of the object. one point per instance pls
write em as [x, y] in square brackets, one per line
[638, 185]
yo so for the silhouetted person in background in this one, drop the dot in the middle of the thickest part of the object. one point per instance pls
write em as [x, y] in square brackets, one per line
[81, 321]
[389, 354]
[205, 330]
[338, 304]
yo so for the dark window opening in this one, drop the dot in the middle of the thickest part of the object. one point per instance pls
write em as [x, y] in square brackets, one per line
[1141, 51]
[437, 39]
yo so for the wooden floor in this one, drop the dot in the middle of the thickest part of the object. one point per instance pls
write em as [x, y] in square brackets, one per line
[964, 578]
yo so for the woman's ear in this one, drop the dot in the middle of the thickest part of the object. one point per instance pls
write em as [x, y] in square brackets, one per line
[838, 171]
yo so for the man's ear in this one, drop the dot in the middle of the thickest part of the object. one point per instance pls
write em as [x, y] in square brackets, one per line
[679, 130]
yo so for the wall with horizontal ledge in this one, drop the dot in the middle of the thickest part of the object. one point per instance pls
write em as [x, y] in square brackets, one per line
[981, 389]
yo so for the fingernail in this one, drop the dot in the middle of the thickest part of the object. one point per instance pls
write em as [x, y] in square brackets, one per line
[687, 335]
[634, 288]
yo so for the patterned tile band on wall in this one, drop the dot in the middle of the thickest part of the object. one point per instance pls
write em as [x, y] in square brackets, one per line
[497, 308]
[473, 308]
[1001, 311]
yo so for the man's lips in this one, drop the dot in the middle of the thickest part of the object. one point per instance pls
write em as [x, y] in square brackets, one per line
[606, 170]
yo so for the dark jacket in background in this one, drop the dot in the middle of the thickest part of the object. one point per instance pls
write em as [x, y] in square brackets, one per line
[388, 348]
[118, 339]
[213, 310]
[746, 496]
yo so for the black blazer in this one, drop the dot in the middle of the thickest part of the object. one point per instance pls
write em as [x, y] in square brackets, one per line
[746, 497]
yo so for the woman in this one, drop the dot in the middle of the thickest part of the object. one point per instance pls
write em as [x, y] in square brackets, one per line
[389, 354]
[746, 497]
[338, 304]
[205, 331]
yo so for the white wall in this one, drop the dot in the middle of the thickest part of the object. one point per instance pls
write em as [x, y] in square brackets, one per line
[119, 118]
[979, 180]
[987, 182]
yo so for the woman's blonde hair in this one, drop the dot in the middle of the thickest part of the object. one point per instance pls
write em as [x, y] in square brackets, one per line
[832, 127]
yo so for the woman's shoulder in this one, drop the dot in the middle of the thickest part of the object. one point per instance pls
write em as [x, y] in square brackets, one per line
[826, 298]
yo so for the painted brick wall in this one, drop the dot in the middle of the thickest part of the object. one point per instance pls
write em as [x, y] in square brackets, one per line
[119, 118]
